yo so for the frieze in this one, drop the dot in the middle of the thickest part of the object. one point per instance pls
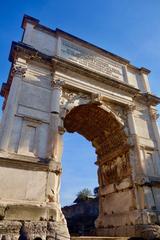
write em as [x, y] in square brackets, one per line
[115, 170]
[154, 114]
[91, 60]
[19, 70]
[119, 111]
[71, 99]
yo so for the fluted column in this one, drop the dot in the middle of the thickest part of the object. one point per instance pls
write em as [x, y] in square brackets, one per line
[55, 143]
[135, 139]
[18, 72]
[55, 121]
[154, 116]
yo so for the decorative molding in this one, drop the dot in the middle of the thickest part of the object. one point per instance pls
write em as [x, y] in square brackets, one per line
[96, 98]
[57, 83]
[131, 108]
[71, 99]
[143, 180]
[118, 111]
[61, 130]
[19, 70]
[23, 162]
[115, 171]
[154, 114]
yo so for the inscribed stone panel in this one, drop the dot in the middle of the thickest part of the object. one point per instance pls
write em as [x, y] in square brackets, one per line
[91, 60]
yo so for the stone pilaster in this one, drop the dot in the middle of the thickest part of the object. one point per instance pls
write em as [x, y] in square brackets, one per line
[154, 116]
[18, 72]
[55, 153]
[134, 138]
[135, 157]
[55, 143]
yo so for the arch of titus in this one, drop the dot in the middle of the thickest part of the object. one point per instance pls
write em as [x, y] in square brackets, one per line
[59, 83]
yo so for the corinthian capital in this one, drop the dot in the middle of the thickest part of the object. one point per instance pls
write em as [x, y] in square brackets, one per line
[57, 83]
[154, 114]
[19, 70]
[131, 108]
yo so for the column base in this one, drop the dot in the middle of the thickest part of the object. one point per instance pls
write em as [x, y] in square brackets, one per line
[30, 230]
[144, 231]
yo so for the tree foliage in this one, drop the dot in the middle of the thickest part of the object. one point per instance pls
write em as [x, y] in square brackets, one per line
[82, 195]
[96, 191]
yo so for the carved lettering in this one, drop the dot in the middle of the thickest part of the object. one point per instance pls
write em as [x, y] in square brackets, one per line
[91, 60]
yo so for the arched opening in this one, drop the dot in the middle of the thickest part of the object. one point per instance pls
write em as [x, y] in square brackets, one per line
[79, 170]
[106, 133]
[79, 179]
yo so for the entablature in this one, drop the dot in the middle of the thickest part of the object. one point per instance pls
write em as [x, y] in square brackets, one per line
[59, 66]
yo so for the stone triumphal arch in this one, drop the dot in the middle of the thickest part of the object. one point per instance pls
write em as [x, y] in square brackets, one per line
[57, 83]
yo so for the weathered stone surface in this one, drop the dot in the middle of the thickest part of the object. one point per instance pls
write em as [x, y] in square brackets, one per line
[33, 229]
[59, 83]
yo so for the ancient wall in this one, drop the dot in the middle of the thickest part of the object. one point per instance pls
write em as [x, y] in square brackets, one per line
[60, 83]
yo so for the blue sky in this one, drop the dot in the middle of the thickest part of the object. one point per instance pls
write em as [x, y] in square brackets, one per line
[128, 28]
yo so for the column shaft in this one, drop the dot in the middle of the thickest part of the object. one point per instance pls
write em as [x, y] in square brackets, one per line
[11, 107]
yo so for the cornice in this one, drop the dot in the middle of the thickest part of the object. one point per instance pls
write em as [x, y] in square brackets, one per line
[30, 53]
[60, 33]
[148, 98]
[64, 64]
[29, 19]
[56, 63]
[22, 162]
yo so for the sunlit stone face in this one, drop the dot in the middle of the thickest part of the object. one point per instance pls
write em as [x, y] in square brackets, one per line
[60, 83]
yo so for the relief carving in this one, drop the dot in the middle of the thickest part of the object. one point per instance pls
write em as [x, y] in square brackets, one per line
[119, 111]
[19, 70]
[72, 99]
[110, 142]
[58, 83]
[115, 170]
[154, 114]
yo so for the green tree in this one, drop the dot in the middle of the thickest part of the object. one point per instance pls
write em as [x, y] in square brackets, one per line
[96, 191]
[82, 195]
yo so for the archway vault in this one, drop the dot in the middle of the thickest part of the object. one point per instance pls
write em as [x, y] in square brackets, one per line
[106, 132]
[98, 126]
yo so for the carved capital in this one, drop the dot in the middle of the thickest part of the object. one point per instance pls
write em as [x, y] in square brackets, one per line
[58, 83]
[19, 70]
[96, 98]
[154, 114]
[57, 170]
[71, 99]
[142, 180]
[61, 130]
[131, 108]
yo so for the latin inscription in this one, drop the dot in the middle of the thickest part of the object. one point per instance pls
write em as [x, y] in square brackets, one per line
[91, 60]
